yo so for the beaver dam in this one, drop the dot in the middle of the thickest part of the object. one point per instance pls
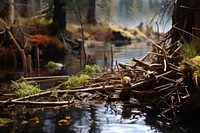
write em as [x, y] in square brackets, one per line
[163, 78]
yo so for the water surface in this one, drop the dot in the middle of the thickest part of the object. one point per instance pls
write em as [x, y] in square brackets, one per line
[95, 118]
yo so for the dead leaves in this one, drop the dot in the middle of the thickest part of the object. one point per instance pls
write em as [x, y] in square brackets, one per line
[34, 120]
[66, 121]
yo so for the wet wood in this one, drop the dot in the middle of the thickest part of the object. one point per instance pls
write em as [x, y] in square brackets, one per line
[9, 102]
[45, 77]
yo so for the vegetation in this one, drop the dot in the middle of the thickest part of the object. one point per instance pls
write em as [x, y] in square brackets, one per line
[91, 69]
[191, 69]
[24, 89]
[74, 81]
[52, 66]
[189, 50]
[5, 122]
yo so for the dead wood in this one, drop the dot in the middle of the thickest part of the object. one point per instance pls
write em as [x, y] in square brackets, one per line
[9, 102]
[21, 50]
[73, 90]
[45, 77]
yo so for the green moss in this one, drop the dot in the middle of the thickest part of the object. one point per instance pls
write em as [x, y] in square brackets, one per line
[189, 50]
[5, 121]
[74, 81]
[91, 69]
[77, 80]
[52, 66]
[24, 89]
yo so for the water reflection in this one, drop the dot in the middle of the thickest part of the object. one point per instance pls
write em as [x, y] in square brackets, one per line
[121, 54]
[85, 119]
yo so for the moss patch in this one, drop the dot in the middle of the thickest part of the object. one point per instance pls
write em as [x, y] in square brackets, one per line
[5, 121]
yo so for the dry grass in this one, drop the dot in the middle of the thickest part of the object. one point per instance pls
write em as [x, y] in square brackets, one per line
[99, 32]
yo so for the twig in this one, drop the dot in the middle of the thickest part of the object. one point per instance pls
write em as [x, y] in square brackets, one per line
[8, 102]
[46, 77]
[186, 32]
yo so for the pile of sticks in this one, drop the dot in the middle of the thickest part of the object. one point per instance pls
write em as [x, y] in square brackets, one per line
[157, 78]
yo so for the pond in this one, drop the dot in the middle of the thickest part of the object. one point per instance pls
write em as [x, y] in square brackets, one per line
[96, 117]
[118, 117]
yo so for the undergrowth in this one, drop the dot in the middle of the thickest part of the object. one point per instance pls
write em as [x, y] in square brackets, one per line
[74, 81]
[91, 69]
[5, 121]
[77, 80]
[189, 50]
[24, 89]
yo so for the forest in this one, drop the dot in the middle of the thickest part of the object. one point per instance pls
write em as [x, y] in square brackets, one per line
[39, 33]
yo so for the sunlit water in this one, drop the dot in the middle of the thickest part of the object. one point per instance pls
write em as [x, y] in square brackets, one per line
[84, 119]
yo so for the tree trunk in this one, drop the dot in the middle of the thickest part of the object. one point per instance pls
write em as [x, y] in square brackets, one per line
[24, 10]
[59, 18]
[91, 17]
[7, 13]
[186, 21]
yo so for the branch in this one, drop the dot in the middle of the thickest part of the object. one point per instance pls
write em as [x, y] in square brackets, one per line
[8, 102]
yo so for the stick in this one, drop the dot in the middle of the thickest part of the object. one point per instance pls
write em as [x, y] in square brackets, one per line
[34, 103]
[107, 87]
[45, 77]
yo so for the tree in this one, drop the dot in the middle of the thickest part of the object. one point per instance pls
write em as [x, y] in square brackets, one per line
[59, 18]
[91, 17]
[7, 13]
[186, 21]
[24, 10]
[125, 11]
